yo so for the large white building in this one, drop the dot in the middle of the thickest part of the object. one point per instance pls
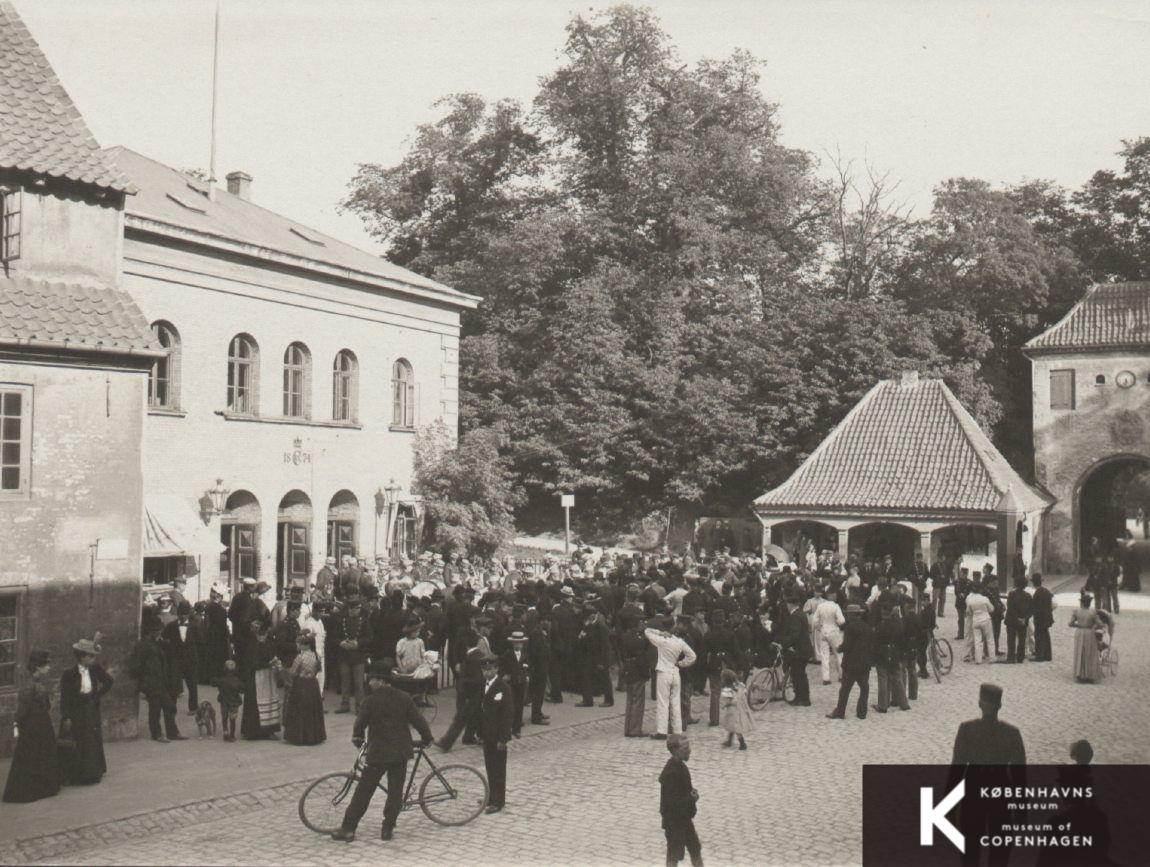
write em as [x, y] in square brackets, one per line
[299, 368]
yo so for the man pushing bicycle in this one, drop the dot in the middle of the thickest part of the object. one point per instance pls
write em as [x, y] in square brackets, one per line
[387, 715]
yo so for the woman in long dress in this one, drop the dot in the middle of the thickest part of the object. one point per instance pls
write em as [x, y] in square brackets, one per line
[1084, 620]
[81, 688]
[261, 719]
[35, 771]
[303, 719]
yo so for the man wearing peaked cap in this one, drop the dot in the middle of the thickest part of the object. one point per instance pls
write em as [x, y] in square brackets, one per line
[987, 753]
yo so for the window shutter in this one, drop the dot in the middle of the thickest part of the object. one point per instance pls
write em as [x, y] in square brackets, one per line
[1062, 389]
[415, 395]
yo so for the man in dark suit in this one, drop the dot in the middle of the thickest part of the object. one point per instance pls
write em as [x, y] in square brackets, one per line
[796, 638]
[1019, 608]
[181, 646]
[856, 650]
[149, 667]
[988, 753]
[387, 716]
[595, 658]
[720, 650]
[1043, 605]
[468, 693]
[889, 649]
[539, 662]
[515, 667]
[496, 713]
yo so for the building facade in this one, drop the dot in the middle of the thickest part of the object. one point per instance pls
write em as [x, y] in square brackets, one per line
[75, 353]
[299, 369]
[1091, 393]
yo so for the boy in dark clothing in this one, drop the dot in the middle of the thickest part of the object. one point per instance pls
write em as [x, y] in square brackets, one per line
[677, 804]
[231, 697]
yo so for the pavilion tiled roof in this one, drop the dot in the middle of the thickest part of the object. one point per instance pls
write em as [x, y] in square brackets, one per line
[1112, 315]
[97, 318]
[908, 445]
[41, 130]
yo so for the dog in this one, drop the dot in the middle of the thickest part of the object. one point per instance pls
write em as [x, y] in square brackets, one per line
[206, 719]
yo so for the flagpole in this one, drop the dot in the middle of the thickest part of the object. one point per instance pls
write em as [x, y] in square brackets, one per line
[215, 78]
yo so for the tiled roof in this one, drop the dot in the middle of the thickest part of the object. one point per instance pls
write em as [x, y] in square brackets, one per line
[172, 198]
[41, 130]
[907, 445]
[67, 315]
[1111, 315]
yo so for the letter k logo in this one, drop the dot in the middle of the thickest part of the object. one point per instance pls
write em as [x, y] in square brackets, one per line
[931, 816]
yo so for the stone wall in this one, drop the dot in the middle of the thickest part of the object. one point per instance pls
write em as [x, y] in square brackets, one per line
[71, 548]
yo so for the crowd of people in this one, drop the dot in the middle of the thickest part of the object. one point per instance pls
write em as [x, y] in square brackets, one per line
[671, 625]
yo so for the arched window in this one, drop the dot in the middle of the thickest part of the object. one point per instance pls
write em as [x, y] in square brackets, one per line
[297, 380]
[164, 378]
[402, 394]
[243, 375]
[344, 386]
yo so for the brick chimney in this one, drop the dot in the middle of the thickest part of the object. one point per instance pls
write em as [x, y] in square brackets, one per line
[240, 184]
[909, 377]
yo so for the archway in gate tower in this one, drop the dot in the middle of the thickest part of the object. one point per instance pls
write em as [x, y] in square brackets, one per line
[1113, 504]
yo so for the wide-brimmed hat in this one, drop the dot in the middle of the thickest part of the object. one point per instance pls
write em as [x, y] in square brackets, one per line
[262, 586]
[87, 645]
[566, 591]
[249, 582]
[413, 623]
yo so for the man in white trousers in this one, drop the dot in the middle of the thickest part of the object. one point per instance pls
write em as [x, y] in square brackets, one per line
[829, 621]
[674, 653]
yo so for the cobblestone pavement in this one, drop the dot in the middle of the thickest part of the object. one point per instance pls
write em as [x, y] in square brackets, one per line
[584, 795]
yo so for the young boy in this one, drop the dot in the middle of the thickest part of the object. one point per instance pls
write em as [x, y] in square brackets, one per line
[677, 804]
[230, 697]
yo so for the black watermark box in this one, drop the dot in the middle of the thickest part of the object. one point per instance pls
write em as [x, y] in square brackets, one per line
[924, 815]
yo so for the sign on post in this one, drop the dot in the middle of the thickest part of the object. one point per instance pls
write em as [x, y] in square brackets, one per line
[568, 503]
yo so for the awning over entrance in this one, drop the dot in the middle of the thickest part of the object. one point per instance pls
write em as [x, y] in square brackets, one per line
[172, 528]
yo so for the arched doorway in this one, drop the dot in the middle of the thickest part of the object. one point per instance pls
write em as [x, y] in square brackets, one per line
[965, 546]
[874, 541]
[797, 537]
[343, 526]
[240, 538]
[293, 542]
[1108, 504]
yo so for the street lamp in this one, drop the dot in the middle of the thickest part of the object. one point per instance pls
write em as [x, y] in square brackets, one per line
[213, 501]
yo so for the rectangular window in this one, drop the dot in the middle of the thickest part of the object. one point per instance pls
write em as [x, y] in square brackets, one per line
[239, 385]
[403, 403]
[10, 220]
[9, 639]
[164, 570]
[15, 439]
[293, 392]
[1062, 389]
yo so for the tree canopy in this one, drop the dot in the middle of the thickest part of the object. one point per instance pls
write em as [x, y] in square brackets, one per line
[678, 307]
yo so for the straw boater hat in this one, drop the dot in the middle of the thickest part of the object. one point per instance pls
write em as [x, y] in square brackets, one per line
[87, 645]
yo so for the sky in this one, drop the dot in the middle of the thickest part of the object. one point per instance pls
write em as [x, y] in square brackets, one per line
[308, 90]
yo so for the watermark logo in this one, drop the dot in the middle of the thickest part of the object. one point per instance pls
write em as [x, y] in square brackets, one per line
[933, 816]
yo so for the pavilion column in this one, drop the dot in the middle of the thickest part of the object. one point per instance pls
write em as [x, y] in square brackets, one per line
[1009, 515]
[844, 543]
[766, 539]
[924, 543]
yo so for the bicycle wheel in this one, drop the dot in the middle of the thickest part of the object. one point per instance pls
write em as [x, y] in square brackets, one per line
[760, 688]
[322, 804]
[945, 656]
[932, 657]
[453, 795]
[788, 689]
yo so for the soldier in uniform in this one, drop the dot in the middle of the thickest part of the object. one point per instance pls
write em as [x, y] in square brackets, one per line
[1043, 607]
[961, 591]
[987, 753]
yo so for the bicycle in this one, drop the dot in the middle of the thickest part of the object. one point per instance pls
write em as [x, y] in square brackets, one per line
[451, 795]
[419, 688]
[771, 682]
[941, 657]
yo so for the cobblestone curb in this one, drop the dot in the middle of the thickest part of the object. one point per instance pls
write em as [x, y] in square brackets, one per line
[46, 847]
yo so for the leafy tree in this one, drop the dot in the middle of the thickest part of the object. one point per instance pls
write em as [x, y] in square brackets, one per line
[468, 490]
[1114, 238]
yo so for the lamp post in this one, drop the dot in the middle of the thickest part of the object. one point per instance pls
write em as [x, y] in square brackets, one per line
[213, 501]
[389, 496]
